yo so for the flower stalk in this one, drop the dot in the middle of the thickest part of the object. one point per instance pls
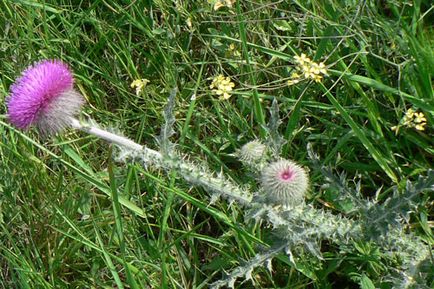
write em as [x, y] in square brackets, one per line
[108, 136]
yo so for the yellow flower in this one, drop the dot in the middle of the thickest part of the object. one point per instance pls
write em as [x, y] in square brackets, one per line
[310, 69]
[139, 84]
[308, 72]
[317, 78]
[322, 68]
[232, 51]
[295, 78]
[293, 81]
[409, 113]
[318, 68]
[222, 86]
[222, 3]
[302, 59]
[420, 126]
[295, 75]
[215, 82]
[412, 119]
[419, 117]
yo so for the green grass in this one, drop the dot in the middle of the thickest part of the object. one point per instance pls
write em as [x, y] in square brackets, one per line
[72, 218]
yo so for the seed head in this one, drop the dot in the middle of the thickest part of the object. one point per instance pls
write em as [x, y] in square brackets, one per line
[44, 96]
[284, 183]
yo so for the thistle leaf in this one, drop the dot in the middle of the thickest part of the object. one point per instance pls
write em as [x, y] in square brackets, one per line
[275, 140]
[167, 130]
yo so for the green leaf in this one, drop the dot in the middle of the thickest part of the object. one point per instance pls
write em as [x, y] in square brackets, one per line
[378, 157]
[366, 283]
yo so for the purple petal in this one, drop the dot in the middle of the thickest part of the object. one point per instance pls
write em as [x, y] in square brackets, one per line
[37, 87]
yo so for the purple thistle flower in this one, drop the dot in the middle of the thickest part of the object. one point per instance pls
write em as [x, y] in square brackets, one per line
[284, 182]
[44, 96]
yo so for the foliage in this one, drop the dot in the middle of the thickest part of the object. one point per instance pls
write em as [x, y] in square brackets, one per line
[70, 218]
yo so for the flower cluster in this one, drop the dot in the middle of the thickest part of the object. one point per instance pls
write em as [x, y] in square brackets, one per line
[222, 86]
[222, 3]
[139, 84]
[307, 69]
[412, 119]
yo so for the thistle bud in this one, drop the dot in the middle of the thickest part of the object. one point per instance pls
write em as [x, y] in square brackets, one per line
[252, 152]
[284, 183]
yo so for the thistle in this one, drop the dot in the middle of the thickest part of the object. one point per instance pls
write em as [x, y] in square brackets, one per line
[44, 97]
[284, 183]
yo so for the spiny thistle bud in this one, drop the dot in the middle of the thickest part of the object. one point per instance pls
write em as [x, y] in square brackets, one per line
[44, 96]
[252, 152]
[284, 183]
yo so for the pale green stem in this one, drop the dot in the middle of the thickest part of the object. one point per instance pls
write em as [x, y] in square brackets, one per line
[189, 171]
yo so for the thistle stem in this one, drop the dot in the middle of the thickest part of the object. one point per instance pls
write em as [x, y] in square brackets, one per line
[190, 172]
[108, 136]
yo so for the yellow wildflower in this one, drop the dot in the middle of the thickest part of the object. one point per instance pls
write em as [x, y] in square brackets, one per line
[308, 68]
[295, 78]
[295, 75]
[293, 81]
[222, 3]
[232, 51]
[409, 114]
[419, 117]
[222, 86]
[317, 78]
[139, 84]
[302, 59]
[308, 73]
[318, 68]
[412, 119]
[420, 126]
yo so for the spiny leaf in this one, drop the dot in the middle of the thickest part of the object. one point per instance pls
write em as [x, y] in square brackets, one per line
[167, 130]
[275, 140]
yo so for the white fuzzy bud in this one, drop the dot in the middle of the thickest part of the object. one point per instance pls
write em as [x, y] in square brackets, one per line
[252, 152]
[284, 183]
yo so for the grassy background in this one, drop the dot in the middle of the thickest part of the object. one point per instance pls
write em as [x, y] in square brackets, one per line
[60, 229]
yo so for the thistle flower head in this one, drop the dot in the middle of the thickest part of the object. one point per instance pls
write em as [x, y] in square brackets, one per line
[44, 96]
[284, 183]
